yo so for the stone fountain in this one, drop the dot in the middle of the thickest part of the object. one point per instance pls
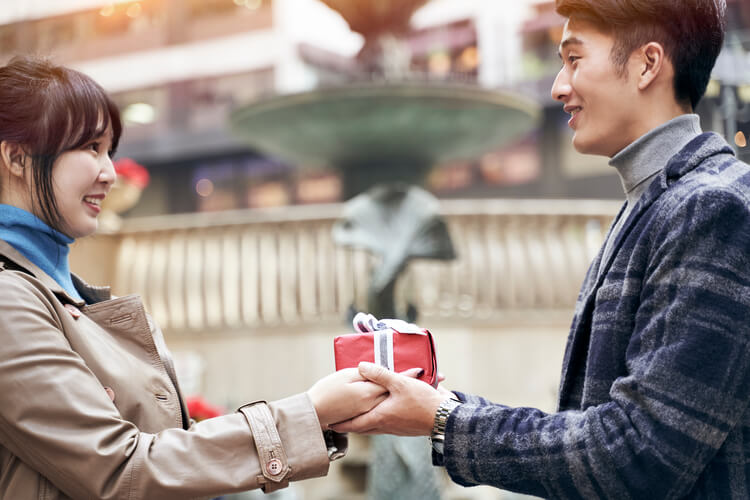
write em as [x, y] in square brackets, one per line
[383, 133]
[386, 132]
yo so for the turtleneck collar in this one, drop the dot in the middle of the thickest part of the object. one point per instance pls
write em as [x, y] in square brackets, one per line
[45, 247]
[649, 154]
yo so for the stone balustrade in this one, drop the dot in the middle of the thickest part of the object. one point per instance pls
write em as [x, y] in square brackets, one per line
[250, 302]
[250, 269]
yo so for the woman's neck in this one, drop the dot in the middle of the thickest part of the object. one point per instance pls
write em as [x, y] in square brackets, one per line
[44, 246]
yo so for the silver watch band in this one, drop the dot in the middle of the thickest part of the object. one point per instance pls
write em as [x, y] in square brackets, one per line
[441, 420]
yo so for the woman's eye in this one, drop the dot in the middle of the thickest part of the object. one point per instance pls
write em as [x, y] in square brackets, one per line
[94, 146]
[573, 59]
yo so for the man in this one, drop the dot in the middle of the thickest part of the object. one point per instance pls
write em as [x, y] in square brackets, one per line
[655, 384]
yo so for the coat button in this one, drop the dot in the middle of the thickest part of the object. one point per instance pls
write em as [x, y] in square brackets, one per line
[274, 467]
[110, 393]
[73, 310]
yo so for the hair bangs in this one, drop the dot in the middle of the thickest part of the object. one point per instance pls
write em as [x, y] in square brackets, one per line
[85, 112]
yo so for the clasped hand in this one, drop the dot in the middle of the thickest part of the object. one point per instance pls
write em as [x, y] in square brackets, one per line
[373, 400]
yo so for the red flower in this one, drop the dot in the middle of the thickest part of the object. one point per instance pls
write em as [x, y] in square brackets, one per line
[129, 170]
[200, 409]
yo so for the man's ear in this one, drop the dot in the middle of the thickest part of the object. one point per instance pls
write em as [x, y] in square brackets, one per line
[13, 157]
[651, 63]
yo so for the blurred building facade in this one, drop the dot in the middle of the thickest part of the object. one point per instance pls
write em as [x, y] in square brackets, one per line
[177, 68]
[228, 285]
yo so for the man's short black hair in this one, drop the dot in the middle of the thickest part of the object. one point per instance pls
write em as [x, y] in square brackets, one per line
[691, 32]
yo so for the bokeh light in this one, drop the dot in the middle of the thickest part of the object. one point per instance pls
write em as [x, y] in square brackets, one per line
[134, 10]
[740, 140]
[204, 188]
[107, 10]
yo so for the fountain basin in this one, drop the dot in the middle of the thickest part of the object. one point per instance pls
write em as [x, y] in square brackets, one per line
[367, 124]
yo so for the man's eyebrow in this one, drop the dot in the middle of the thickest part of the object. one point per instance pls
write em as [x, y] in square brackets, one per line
[567, 43]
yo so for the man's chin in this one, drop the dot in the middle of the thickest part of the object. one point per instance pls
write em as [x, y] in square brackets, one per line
[581, 145]
[588, 148]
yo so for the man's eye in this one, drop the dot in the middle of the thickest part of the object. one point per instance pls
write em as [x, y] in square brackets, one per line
[572, 59]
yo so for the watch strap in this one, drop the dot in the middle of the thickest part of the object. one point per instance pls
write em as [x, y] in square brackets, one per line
[441, 420]
[442, 414]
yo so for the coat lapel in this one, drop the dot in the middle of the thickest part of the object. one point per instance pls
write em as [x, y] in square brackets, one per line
[695, 152]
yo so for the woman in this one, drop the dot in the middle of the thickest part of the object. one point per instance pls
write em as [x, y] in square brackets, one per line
[89, 403]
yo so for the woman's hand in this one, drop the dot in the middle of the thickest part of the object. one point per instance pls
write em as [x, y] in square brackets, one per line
[344, 395]
[409, 409]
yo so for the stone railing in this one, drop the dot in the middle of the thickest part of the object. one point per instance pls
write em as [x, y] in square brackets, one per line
[250, 269]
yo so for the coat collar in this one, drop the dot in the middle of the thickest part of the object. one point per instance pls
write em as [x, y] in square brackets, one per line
[91, 294]
[686, 160]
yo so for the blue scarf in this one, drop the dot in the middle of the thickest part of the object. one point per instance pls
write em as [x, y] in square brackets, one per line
[42, 245]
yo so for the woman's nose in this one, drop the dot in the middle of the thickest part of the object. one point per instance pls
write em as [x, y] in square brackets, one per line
[107, 173]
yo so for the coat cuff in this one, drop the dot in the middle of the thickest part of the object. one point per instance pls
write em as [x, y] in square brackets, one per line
[301, 435]
[274, 466]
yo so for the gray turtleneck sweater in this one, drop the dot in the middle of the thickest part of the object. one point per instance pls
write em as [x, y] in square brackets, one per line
[644, 158]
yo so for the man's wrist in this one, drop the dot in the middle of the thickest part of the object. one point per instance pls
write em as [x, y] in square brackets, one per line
[441, 420]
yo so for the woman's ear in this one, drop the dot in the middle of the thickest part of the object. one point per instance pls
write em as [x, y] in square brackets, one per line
[13, 157]
[651, 63]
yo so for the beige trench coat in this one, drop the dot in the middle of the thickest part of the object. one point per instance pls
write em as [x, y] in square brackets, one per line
[63, 436]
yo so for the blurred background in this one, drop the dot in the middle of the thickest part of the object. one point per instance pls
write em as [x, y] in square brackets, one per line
[250, 123]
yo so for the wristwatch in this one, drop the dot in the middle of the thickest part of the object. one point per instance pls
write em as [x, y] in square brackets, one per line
[441, 419]
[334, 452]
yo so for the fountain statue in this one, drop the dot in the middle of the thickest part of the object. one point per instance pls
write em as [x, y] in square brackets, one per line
[378, 22]
[383, 133]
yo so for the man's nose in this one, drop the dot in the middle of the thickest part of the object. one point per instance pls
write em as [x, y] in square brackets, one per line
[561, 87]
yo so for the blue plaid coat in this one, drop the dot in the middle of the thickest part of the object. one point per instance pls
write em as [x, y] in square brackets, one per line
[655, 384]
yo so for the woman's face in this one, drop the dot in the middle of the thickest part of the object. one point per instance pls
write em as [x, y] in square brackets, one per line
[81, 179]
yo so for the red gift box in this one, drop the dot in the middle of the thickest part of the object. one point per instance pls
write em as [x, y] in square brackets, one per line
[396, 351]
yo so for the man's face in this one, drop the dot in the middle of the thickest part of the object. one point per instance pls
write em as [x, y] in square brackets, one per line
[603, 104]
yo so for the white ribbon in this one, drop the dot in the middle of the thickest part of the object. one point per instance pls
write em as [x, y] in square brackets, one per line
[383, 347]
[383, 331]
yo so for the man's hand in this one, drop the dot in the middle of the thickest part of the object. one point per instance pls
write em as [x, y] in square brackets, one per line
[409, 409]
[343, 395]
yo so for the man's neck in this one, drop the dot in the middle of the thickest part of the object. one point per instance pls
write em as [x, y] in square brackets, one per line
[639, 163]
[648, 154]
[661, 110]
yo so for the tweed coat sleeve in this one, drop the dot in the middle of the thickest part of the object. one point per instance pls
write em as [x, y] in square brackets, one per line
[685, 386]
